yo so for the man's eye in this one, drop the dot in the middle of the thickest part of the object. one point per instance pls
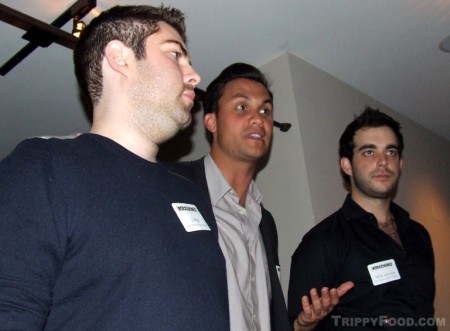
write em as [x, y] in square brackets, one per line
[240, 107]
[265, 111]
[176, 54]
[392, 152]
[368, 153]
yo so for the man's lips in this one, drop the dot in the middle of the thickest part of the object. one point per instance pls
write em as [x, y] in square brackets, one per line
[190, 95]
[256, 135]
[382, 176]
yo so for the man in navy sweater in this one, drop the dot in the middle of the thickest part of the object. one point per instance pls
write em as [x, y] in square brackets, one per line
[94, 233]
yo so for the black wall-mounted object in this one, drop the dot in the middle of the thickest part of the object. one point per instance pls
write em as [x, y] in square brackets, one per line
[41, 34]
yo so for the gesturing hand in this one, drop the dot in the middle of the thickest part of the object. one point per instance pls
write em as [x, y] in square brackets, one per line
[320, 306]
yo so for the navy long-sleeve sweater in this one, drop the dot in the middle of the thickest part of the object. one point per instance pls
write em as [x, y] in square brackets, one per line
[90, 240]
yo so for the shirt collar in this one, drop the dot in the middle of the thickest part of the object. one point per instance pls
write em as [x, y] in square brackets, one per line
[352, 211]
[218, 185]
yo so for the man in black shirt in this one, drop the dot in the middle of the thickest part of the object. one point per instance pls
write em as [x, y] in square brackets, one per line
[370, 240]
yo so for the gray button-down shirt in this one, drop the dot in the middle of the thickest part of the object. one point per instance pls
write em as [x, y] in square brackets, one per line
[240, 239]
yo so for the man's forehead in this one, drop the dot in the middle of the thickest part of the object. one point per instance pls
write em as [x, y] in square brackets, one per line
[375, 134]
[165, 30]
[242, 87]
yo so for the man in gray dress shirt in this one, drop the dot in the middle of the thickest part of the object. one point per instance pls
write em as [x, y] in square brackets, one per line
[238, 108]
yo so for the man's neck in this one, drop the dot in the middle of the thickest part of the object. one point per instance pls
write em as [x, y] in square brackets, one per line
[239, 174]
[380, 208]
[135, 144]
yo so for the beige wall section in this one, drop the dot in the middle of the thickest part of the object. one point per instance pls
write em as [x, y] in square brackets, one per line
[425, 192]
[324, 106]
[301, 182]
[284, 180]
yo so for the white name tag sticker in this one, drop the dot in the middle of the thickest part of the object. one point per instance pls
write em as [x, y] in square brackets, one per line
[383, 272]
[190, 217]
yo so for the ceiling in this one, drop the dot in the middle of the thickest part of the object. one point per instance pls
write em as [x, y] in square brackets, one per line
[387, 49]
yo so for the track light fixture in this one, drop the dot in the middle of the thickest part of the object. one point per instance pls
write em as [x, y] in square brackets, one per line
[78, 26]
[41, 34]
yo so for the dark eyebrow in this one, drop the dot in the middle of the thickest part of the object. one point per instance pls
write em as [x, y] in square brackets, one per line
[183, 49]
[390, 146]
[366, 146]
[245, 96]
[371, 146]
[269, 101]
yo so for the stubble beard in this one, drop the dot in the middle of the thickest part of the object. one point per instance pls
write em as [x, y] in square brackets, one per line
[156, 113]
[241, 152]
[368, 189]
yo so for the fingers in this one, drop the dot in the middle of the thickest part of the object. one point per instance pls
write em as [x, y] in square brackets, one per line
[344, 288]
[306, 316]
[306, 306]
[321, 306]
[316, 302]
[329, 299]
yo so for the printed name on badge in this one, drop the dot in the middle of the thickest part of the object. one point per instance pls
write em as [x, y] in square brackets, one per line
[190, 217]
[383, 272]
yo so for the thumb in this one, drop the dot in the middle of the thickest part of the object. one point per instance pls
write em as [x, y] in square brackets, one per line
[344, 288]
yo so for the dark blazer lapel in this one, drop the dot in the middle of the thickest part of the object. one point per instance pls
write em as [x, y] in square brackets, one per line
[279, 318]
[199, 176]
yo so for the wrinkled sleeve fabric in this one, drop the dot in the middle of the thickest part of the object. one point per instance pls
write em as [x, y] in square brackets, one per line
[30, 244]
[313, 265]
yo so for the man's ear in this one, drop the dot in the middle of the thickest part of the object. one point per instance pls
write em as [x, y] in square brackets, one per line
[118, 56]
[346, 166]
[210, 122]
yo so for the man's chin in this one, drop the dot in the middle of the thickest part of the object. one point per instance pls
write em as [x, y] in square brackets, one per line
[185, 121]
[186, 124]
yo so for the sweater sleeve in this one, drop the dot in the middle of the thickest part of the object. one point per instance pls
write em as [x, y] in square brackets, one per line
[30, 252]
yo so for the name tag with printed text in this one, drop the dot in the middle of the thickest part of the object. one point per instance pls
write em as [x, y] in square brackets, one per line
[190, 217]
[383, 272]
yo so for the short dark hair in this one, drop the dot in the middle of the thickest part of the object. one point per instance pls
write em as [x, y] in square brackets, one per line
[215, 89]
[128, 24]
[369, 118]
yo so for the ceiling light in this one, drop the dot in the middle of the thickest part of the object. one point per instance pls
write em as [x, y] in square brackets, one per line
[78, 26]
[41, 34]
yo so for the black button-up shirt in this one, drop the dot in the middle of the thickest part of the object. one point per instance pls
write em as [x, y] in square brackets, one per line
[341, 248]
